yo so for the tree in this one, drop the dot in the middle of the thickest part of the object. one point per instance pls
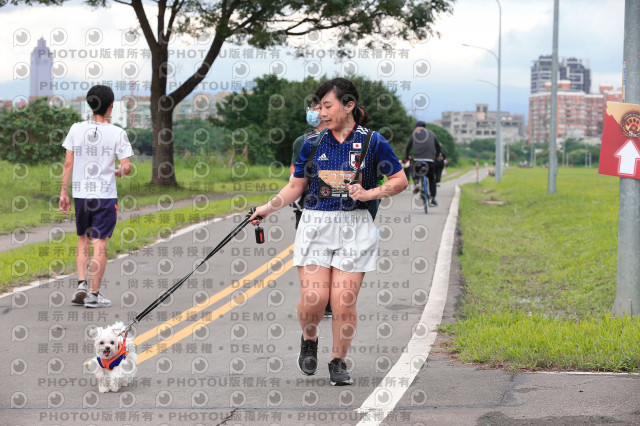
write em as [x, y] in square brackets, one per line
[247, 118]
[34, 133]
[447, 143]
[141, 140]
[197, 137]
[572, 144]
[516, 153]
[286, 115]
[388, 114]
[194, 136]
[480, 145]
[276, 110]
[261, 24]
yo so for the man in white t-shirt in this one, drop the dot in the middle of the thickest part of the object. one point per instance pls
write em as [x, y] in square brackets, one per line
[92, 148]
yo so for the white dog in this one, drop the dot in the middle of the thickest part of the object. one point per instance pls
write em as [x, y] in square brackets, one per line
[115, 362]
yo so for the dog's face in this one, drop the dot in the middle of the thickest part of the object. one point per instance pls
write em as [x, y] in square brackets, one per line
[106, 342]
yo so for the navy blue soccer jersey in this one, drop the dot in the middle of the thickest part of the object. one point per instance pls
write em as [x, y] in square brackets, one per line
[335, 162]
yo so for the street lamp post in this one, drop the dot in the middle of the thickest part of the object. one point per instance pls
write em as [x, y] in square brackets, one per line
[499, 127]
[499, 154]
[553, 130]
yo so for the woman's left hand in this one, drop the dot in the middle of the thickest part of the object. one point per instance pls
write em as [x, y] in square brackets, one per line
[358, 193]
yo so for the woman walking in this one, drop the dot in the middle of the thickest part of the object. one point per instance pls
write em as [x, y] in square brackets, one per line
[336, 241]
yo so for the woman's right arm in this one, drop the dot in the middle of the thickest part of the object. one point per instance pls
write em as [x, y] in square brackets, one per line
[287, 195]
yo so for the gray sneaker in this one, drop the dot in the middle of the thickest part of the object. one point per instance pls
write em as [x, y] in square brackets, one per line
[93, 301]
[338, 373]
[308, 357]
[81, 293]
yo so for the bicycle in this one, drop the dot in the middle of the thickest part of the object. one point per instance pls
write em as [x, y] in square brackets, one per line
[421, 169]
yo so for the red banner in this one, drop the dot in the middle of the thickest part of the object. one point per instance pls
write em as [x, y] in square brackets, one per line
[620, 149]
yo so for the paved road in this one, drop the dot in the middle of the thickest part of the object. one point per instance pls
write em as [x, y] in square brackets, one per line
[234, 360]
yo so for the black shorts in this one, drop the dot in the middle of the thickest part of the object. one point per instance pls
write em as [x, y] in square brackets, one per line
[96, 217]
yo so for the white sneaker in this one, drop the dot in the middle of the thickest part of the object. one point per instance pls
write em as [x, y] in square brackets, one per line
[93, 301]
[81, 293]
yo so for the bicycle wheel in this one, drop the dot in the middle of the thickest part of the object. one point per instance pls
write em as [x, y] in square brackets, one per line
[425, 193]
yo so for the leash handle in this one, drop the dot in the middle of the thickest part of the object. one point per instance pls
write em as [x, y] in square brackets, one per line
[251, 212]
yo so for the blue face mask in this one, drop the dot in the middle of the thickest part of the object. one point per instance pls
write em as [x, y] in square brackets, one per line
[312, 118]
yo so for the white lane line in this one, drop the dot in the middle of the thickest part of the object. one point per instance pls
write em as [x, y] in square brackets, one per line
[384, 398]
[179, 232]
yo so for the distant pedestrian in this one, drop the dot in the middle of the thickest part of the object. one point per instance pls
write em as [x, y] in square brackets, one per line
[441, 162]
[90, 165]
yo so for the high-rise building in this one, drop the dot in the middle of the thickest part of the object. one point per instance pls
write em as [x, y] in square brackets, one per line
[571, 69]
[41, 65]
[580, 114]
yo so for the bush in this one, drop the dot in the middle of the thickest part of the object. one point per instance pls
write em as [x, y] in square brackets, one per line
[248, 145]
[273, 114]
[190, 137]
[35, 133]
[447, 143]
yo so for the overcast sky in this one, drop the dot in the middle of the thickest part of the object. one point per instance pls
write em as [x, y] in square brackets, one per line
[589, 29]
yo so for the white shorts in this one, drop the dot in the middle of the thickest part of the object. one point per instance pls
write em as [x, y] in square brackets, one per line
[346, 240]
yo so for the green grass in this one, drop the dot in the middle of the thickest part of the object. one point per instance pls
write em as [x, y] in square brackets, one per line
[31, 194]
[517, 340]
[51, 259]
[540, 274]
[471, 161]
[458, 171]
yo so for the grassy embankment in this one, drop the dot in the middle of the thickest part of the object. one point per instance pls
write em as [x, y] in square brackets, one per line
[540, 273]
[40, 187]
[31, 200]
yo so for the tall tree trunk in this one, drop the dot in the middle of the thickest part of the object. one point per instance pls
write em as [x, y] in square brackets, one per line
[162, 106]
[163, 170]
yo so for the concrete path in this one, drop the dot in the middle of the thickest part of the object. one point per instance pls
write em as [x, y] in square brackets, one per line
[223, 349]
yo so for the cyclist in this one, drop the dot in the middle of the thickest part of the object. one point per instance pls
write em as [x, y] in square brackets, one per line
[426, 148]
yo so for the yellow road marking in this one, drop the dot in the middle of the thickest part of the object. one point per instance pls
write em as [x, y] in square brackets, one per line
[213, 299]
[214, 315]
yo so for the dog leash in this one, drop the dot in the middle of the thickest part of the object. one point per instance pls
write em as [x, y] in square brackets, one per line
[177, 285]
